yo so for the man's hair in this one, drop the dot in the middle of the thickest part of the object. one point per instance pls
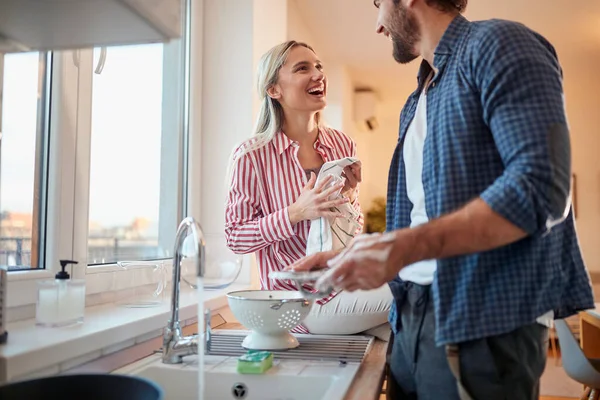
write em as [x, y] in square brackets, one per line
[448, 5]
[442, 5]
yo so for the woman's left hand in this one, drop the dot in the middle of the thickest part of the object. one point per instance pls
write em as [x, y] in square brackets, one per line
[353, 175]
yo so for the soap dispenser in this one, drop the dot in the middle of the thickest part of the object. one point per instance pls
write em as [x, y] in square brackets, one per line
[61, 301]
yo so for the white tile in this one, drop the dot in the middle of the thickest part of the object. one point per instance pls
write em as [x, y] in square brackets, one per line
[229, 365]
[40, 373]
[20, 313]
[74, 362]
[149, 336]
[320, 371]
[323, 363]
[210, 362]
[118, 347]
[291, 367]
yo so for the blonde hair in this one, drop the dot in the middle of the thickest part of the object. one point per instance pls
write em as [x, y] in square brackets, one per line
[270, 115]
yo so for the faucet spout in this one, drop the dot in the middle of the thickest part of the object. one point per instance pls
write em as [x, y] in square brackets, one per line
[175, 345]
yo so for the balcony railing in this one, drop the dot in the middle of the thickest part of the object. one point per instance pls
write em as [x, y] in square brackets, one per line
[16, 251]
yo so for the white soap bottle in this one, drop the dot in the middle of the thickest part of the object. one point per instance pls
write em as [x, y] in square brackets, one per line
[61, 301]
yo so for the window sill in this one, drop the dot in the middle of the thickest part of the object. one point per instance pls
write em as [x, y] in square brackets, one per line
[32, 350]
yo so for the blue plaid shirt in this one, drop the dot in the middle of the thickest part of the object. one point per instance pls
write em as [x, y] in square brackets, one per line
[496, 129]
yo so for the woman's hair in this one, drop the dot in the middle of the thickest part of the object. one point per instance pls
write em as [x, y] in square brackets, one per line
[270, 115]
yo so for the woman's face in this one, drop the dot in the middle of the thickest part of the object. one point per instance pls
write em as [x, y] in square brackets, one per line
[301, 84]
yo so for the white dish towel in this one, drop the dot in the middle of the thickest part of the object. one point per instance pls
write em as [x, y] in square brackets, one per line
[327, 233]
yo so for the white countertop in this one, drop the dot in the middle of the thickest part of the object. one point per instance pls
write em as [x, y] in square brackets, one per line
[106, 329]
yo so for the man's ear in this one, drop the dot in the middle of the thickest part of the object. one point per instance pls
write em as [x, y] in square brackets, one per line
[274, 92]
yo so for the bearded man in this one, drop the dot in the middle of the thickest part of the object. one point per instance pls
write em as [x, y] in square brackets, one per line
[481, 251]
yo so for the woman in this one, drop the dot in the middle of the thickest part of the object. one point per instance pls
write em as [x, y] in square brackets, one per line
[273, 197]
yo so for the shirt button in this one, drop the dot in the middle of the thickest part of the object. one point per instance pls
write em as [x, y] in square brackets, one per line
[433, 85]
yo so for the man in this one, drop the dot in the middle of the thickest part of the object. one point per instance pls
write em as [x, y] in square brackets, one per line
[481, 251]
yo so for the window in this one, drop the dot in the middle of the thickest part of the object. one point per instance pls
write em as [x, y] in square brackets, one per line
[93, 161]
[126, 138]
[23, 158]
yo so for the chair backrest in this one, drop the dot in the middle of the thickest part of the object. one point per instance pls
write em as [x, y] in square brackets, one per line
[575, 363]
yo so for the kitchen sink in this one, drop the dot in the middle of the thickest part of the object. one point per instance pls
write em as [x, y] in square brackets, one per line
[286, 380]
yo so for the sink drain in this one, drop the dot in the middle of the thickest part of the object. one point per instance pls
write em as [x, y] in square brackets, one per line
[239, 391]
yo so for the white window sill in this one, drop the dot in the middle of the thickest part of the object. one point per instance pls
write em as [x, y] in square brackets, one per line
[32, 350]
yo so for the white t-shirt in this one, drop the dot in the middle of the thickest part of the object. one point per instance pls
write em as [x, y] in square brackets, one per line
[421, 272]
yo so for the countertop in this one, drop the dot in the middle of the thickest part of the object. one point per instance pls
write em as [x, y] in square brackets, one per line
[369, 378]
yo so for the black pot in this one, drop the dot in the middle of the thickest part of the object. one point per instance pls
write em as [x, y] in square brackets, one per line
[83, 387]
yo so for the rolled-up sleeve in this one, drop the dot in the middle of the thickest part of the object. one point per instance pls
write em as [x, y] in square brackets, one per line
[246, 228]
[520, 82]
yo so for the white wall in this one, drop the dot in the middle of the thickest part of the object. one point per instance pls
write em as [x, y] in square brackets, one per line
[297, 28]
[270, 29]
[583, 105]
[237, 33]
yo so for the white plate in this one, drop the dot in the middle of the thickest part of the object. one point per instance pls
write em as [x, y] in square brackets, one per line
[303, 276]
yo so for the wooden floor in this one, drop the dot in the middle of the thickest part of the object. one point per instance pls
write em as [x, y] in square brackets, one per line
[551, 357]
[541, 398]
[557, 398]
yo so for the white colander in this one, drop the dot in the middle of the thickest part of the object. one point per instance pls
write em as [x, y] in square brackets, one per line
[270, 314]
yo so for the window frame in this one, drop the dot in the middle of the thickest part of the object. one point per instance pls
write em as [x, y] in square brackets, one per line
[67, 205]
[172, 156]
[41, 178]
[173, 140]
[22, 285]
[41, 156]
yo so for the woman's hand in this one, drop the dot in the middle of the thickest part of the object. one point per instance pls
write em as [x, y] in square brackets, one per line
[353, 175]
[314, 202]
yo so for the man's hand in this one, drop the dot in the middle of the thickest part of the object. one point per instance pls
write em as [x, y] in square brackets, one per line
[314, 261]
[368, 263]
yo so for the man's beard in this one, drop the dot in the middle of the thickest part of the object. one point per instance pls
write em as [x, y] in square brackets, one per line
[404, 31]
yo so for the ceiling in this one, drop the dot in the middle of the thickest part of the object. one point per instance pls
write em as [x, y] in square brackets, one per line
[345, 32]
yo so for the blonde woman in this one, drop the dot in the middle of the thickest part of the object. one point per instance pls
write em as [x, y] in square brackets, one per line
[272, 193]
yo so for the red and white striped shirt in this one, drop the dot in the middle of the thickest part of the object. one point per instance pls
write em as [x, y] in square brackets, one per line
[264, 183]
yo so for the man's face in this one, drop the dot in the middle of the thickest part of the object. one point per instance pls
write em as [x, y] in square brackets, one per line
[398, 22]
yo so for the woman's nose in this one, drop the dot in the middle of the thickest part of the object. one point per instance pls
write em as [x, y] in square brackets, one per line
[318, 76]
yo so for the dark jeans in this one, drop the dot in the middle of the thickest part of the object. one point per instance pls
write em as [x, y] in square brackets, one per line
[504, 367]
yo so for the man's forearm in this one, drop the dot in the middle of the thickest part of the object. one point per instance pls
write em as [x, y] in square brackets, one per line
[472, 229]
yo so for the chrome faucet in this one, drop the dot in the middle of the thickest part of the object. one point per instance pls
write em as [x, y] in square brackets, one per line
[175, 345]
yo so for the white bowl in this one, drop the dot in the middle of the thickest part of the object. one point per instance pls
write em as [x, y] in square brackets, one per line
[270, 314]
[221, 266]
